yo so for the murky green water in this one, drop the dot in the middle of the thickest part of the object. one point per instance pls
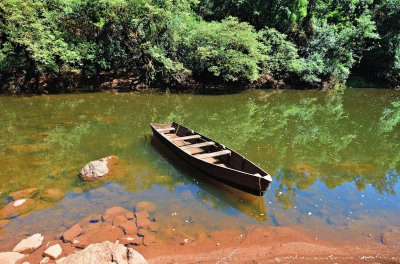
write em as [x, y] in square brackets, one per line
[334, 157]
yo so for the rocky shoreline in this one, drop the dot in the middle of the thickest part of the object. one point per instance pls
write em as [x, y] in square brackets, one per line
[119, 235]
[137, 235]
[125, 228]
[112, 238]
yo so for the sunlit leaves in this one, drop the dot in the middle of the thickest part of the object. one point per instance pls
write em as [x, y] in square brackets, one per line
[227, 49]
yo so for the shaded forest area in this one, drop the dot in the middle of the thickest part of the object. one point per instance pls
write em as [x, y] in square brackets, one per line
[71, 45]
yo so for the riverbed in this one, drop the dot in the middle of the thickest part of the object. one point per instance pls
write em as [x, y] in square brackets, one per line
[334, 157]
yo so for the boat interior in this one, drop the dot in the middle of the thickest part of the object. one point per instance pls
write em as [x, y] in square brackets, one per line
[205, 149]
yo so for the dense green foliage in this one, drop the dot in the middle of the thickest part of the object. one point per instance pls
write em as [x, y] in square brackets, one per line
[304, 43]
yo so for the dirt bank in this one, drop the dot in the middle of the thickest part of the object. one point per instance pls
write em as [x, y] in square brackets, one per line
[272, 245]
[159, 243]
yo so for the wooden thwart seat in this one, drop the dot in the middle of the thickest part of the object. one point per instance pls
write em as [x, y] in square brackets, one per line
[185, 138]
[182, 143]
[194, 151]
[168, 129]
[212, 160]
[213, 154]
[199, 145]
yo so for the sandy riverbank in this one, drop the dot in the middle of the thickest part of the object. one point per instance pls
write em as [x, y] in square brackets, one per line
[158, 242]
[273, 245]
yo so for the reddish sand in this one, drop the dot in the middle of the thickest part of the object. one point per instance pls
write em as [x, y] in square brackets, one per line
[260, 245]
[253, 244]
[271, 245]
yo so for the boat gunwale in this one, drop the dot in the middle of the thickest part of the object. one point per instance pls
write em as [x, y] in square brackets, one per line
[266, 177]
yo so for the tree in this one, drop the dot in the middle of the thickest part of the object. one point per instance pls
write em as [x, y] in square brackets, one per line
[31, 41]
[229, 50]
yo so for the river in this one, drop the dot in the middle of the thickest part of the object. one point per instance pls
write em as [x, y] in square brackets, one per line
[334, 157]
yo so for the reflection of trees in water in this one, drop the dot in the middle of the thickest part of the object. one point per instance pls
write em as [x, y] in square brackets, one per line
[298, 136]
[389, 129]
[309, 138]
[64, 140]
[308, 129]
[286, 192]
[38, 151]
[339, 149]
[388, 132]
[390, 118]
[212, 200]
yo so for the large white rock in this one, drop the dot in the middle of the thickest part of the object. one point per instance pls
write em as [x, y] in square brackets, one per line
[105, 253]
[97, 168]
[53, 251]
[29, 244]
[10, 257]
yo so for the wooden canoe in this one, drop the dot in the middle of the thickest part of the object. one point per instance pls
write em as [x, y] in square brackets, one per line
[212, 158]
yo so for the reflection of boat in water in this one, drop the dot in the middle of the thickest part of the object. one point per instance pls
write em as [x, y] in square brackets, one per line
[214, 191]
[212, 158]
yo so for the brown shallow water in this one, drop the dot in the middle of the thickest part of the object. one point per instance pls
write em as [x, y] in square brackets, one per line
[334, 157]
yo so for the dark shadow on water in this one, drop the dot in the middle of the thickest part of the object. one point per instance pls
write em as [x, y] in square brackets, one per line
[249, 204]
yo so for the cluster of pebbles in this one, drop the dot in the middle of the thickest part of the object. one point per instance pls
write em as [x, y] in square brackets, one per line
[124, 227]
[117, 223]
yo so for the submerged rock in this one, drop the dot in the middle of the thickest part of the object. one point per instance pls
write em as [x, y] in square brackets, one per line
[26, 193]
[130, 216]
[103, 232]
[10, 257]
[106, 253]
[73, 232]
[111, 213]
[53, 194]
[118, 220]
[80, 242]
[98, 168]
[146, 205]
[129, 228]
[142, 219]
[16, 208]
[131, 240]
[143, 232]
[29, 244]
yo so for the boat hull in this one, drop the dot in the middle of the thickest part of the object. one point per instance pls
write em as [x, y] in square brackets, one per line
[234, 178]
